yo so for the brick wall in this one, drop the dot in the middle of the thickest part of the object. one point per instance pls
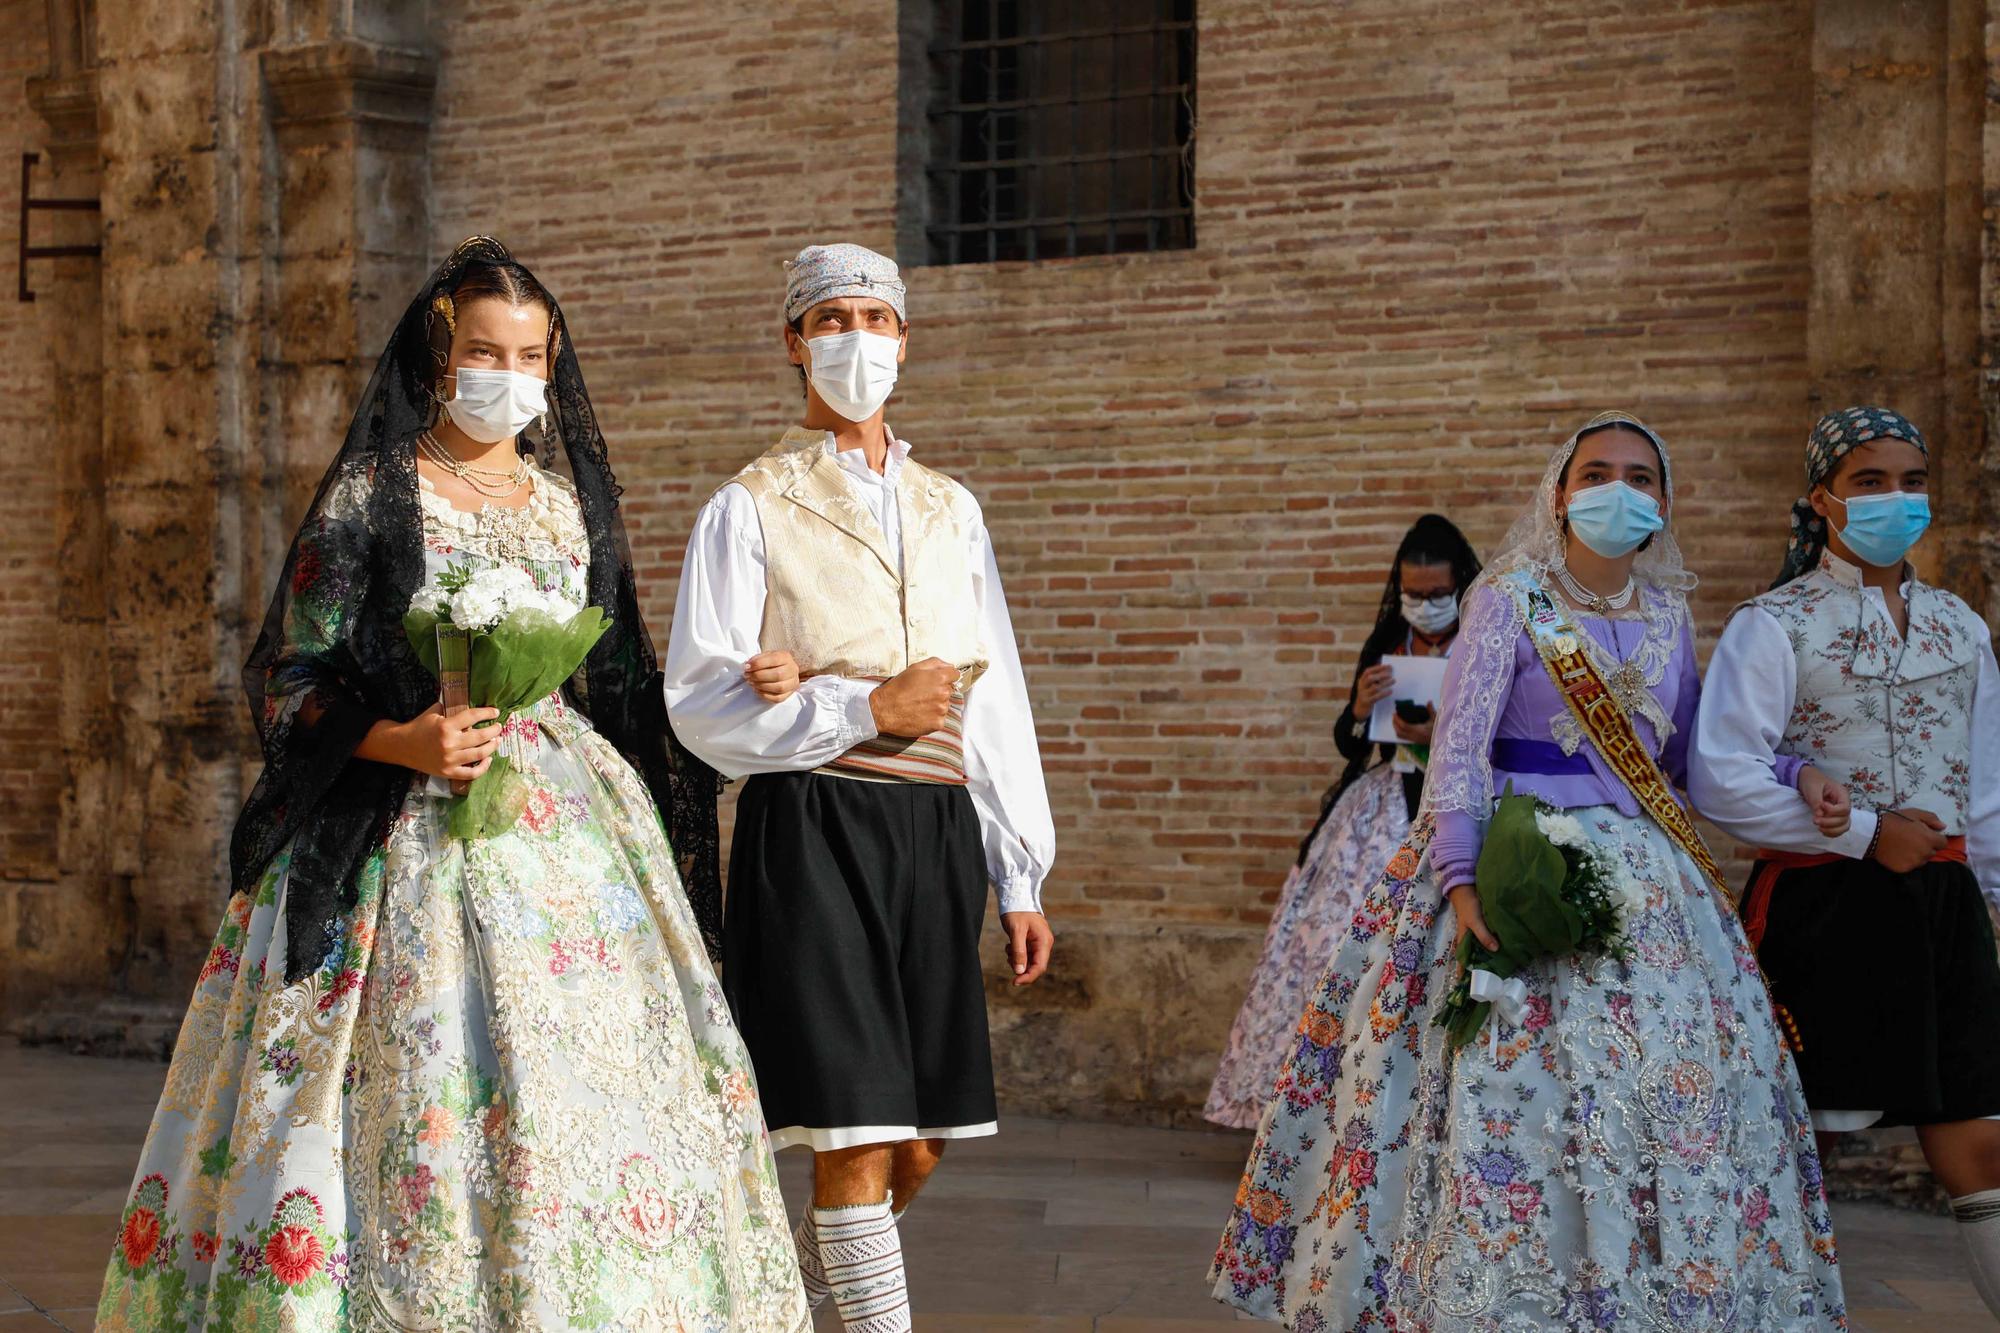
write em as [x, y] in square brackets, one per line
[30, 686]
[1433, 238]
[1410, 283]
[1414, 277]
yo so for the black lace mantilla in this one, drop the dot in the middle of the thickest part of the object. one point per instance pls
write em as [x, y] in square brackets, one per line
[332, 657]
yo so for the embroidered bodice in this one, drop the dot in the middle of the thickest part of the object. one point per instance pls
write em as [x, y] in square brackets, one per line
[545, 537]
[1497, 689]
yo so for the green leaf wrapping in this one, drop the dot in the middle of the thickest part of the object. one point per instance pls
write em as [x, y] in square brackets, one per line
[527, 656]
[421, 627]
[521, 660]
[491, 804]
[1528, 892]
[1520, 880]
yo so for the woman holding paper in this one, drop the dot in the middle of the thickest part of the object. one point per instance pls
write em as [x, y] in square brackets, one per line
[430, 1081]
[1628, 1147]
[1362, 817]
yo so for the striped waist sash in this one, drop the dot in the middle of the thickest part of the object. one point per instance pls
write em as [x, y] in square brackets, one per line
[938, 758]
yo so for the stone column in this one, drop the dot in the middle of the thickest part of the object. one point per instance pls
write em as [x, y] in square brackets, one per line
[1899, 93]
[71, 931]
[1979, 548]
[1874, 326]
[351, 121]
[172, 140]
[263, 175]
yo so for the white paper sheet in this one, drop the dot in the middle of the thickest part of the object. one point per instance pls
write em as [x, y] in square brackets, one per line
[1418, 679]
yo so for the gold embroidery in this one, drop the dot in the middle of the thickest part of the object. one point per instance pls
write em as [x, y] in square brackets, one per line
[1605, 721]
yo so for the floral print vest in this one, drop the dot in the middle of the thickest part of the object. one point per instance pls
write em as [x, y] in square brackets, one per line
[1887, 714]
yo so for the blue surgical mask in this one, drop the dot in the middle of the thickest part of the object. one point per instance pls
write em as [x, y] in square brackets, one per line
[1881, 529]
[1613, 519]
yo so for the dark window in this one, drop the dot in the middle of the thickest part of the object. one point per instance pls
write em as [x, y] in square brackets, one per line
[1046, 128]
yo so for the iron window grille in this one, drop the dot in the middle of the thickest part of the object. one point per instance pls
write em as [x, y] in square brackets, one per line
[1053, 129]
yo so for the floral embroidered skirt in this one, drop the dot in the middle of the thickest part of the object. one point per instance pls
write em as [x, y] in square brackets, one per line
[512, 1097]
[1314, 908]
[1635, 1155]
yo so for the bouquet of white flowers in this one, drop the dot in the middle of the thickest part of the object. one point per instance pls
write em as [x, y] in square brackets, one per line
[518, 644]
[1545, 889]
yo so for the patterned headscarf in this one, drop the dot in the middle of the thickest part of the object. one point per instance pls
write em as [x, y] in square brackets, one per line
[1836, 436]
[822, 272]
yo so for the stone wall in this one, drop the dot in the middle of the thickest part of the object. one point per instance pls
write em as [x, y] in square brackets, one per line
[30, 786]
[191, 381]
[1432, 239]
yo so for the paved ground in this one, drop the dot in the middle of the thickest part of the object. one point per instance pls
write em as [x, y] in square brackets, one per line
[1050, 1228]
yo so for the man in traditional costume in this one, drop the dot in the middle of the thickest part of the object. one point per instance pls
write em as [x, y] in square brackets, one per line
[1875, 939]
[841, 638]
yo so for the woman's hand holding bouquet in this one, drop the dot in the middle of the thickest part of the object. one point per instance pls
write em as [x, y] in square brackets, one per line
[515, 644]
[1544, 889]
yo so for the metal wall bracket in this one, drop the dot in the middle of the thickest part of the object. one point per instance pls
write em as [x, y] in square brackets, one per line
[28, 205]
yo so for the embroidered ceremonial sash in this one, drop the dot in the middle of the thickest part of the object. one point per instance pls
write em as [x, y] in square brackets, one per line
[938, 758]
[1563, 650]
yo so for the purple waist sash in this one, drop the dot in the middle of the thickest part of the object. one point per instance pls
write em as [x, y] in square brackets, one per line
[1519, 755]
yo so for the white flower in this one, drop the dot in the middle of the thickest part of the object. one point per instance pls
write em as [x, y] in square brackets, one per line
[430, 598]
[1629, 893]
[527, 599]
[476, 608]
[491, 595]
[562, 608]
[1561, 829]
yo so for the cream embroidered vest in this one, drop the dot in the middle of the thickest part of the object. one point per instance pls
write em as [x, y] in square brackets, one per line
[1889, 715]
[834, 597]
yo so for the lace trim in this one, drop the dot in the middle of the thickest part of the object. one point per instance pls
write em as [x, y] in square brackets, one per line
[1481, 672]
[1665, 615]
[546, 530]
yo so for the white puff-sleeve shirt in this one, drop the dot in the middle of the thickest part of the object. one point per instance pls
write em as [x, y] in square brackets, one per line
[718, 624]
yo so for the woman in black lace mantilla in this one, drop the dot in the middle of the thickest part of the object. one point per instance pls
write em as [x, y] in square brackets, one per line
[433, 1081]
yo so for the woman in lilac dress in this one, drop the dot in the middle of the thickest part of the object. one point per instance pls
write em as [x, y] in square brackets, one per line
[1363, 818]
[1628, 1148]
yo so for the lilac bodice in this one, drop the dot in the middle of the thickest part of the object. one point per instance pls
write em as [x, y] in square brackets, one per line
[1496, 691]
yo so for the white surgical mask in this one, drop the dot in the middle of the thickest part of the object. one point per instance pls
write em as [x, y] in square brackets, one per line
[496, 405]
[854, 372]
[1431, 615]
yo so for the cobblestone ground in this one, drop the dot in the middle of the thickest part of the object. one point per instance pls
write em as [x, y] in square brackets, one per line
[1050, 1228]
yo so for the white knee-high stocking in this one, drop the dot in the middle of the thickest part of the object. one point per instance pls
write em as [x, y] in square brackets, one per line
[812, 1273]
[862, 1258]
[1979, 1227]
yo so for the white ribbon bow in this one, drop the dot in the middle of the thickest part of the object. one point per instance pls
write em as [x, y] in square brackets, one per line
[1509, 998]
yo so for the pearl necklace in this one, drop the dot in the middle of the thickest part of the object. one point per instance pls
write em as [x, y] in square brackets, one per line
[1602, 606]
[484, 481]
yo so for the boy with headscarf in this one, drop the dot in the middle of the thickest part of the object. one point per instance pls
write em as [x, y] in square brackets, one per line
[842, 638]
[1872, 930]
